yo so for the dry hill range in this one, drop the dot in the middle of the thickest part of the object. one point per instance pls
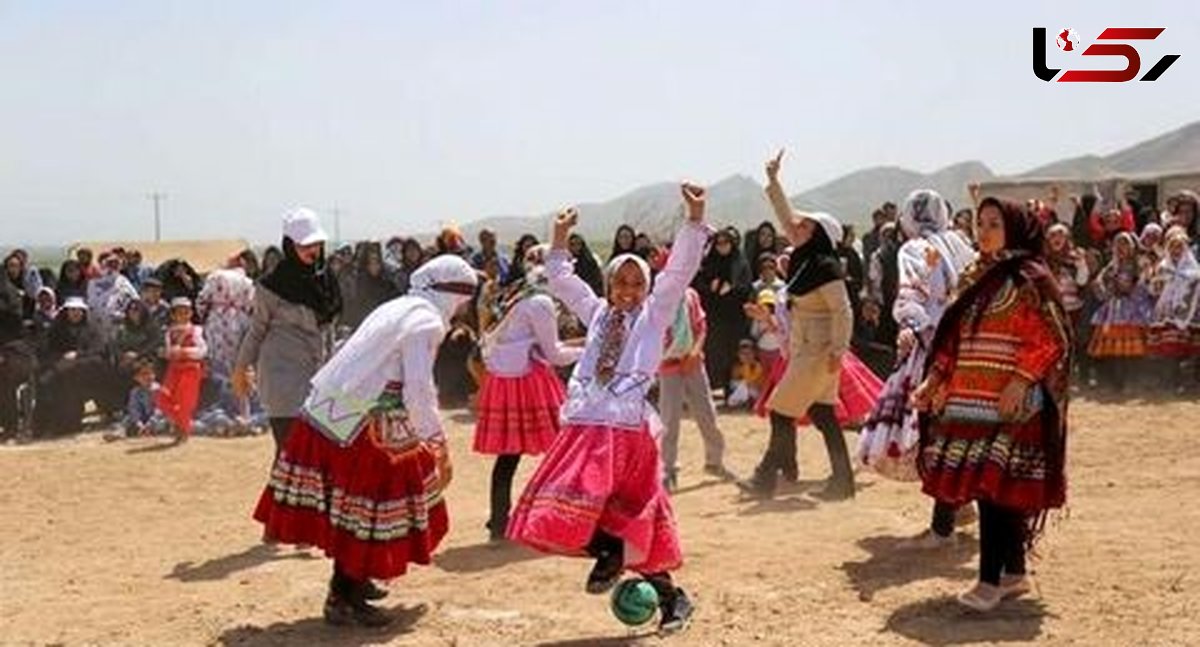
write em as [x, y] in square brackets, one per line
[739, 200]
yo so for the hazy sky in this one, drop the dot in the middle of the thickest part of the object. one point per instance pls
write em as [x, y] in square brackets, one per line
[408, 114]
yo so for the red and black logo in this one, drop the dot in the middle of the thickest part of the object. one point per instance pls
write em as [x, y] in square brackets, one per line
[1067, 41]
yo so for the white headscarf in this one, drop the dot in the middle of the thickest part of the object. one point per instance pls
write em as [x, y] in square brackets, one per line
[924, 291]
[1178, 302]
[833, 228]
[442, 271]
[615, 264]
[534, 264]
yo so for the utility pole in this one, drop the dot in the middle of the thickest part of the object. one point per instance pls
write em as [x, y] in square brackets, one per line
[158, 198]
[337, 224]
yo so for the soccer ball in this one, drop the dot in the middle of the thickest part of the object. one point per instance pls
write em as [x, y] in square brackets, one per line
[1068, 40]
[634, 602]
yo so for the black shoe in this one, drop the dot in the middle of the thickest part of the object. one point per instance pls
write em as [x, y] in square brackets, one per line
[338, 612]
[676, 613]
[372, 591]
[369, 616]
[671, 482]
[837, 490]
[606, 573]
[761, 484]
[497, 530]
[790, 473]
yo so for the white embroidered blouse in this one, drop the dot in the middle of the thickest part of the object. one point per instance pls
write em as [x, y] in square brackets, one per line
[622, 402]
[397, 343]
[528, 333]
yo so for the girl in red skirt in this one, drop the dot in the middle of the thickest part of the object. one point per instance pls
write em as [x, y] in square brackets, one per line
[521, 395]
[185, 351]
[363, 469]
[599, 490]
[995, 399]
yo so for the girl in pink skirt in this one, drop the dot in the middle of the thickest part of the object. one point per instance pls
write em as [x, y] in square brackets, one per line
[521, 395]
[599, 490]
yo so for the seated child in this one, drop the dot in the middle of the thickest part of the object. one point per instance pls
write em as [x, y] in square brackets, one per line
[748, 377]
[142, 417]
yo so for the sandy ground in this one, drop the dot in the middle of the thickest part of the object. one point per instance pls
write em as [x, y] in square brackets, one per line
[140, 543]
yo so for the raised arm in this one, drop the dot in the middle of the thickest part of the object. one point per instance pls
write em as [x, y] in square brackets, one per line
[787, 217]
[686, 254]
[560, 271]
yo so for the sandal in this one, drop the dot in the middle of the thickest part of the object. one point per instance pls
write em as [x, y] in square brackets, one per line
[981, 597]
[1015, 586]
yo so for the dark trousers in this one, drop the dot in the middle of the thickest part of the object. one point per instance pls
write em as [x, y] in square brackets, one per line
[943, 519]
[781, 450]
[503, 471]
[1001, 542]
[279, 431]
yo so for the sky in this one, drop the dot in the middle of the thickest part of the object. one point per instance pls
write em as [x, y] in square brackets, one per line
[405, 115]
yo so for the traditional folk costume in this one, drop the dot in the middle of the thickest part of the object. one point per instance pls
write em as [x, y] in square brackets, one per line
[929, 263]
[521, 395]
[1174, 329]
[1120, 323]
[358, 474]
[1071, 272]
[1008, 324]
[599, 489]
[180, 392]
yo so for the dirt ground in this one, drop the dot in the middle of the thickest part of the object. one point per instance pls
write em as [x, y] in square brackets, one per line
[141, 543]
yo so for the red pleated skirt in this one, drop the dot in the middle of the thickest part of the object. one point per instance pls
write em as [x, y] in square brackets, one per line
[519, 415]
[372, 508]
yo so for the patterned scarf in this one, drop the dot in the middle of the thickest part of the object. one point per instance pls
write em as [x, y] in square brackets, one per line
[611, 346]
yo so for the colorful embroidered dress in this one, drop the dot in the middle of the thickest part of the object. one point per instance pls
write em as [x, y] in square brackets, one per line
[966, 456]
[1121, 322]
[358, 475]
[603, 469]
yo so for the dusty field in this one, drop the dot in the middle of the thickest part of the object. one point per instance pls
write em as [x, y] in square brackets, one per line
[131, 543]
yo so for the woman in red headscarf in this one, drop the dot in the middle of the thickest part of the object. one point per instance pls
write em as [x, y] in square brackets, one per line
[995, 399]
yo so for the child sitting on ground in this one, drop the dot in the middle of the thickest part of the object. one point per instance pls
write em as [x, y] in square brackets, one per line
[142, 417]
[748, 377]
